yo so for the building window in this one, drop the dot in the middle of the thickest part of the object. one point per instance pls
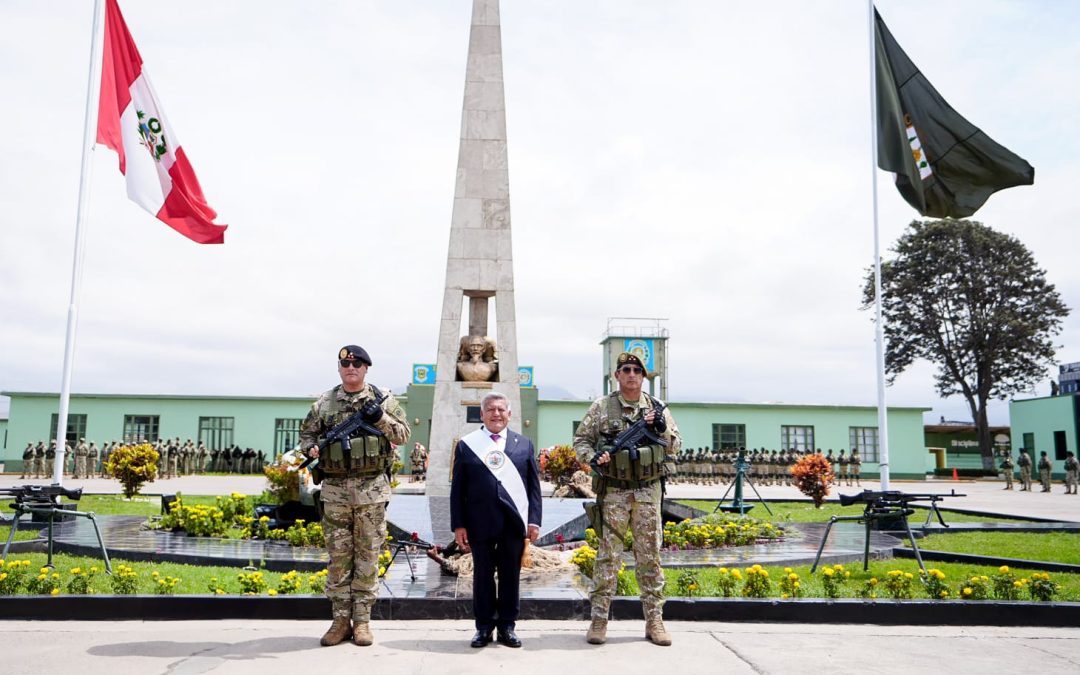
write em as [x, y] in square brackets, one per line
[141, 428]
[1061, 445]
[728, 436]
[76, 428]
[797, 438]
[216, 432]
[286, 433]
[865, 440]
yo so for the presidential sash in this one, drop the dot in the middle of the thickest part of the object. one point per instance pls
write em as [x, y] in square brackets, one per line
[500, 466]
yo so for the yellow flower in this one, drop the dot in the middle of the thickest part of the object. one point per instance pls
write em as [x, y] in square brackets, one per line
[1018, 584]
[797, 584]
[828, 571]
[736, 573]
[76, 571]
[908, 575]
[792, 576]
[220, 591]
[271, 592]
[1004, 569]
[967, 590]
[873, 581]
[3, 575]
[944, 594]
[787, 570]
[55, 591]
[155, 574]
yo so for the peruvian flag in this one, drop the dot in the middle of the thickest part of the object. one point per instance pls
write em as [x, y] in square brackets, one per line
[131, 122]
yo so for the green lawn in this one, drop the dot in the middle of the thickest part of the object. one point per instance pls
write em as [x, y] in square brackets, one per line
[117, 505]
[804, 512]
[1060, 547]
[22, 535]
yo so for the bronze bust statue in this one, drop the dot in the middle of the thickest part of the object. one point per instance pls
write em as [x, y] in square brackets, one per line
[476, 359]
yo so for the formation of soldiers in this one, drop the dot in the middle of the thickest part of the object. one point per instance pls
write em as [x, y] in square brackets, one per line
[86, 460]
[705, 466]
[1045, 469]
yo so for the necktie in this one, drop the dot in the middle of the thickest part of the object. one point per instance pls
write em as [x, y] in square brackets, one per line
[495, 437]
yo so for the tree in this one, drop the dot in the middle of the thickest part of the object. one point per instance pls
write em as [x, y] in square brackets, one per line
[972, 301]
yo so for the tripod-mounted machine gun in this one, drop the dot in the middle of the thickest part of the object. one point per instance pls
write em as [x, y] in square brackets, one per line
[883, 507]
[44, 500]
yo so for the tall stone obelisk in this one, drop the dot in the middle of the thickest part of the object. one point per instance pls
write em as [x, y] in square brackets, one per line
[479, 264]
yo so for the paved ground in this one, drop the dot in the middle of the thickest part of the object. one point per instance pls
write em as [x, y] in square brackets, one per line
[441, 648]
[981, 495]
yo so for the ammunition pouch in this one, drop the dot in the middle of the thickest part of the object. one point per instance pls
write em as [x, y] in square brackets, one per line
[623, 471]
[367, 456]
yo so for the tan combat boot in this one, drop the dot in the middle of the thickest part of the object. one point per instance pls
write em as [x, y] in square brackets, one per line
[597, 633]
[362, 634]
[656, 633]
[339, 630]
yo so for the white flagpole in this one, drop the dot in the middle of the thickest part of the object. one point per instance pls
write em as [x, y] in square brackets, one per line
[879, 332]
[93, 92]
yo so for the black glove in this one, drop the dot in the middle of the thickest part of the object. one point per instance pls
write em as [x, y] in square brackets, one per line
[659, 424]
[371, 412]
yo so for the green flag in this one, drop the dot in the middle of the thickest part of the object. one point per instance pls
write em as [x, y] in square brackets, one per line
[944, 165]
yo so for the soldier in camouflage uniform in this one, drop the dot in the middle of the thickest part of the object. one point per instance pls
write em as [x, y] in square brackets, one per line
[1072, 473]
[355, 491]
[633, 503]
[1007, 469]
[1024, 462]
[82, 452]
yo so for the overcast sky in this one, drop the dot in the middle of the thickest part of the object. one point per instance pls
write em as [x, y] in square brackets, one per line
[706, 162]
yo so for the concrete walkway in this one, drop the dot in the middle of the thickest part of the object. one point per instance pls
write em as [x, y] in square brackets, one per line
[985, 496]
[441, 648]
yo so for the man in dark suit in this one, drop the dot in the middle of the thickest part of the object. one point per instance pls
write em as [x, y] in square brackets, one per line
[494, 505]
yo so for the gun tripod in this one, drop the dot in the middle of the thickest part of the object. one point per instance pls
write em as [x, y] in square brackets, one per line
[402, 546]
[50, 511]
[737, 503]
[870, 515]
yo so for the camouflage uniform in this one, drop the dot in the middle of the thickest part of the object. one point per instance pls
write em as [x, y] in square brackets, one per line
[82, 452]
[1007, 469]
[638, 509]
[1024, 462]
[1072, 469]
[354, 507]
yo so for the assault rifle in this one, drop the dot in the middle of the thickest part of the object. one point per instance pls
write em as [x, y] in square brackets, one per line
[345, 431]
[886, 506]
[44, 500]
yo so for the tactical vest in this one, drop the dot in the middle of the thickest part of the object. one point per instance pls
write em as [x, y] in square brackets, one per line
[623, 471]
[367, 455]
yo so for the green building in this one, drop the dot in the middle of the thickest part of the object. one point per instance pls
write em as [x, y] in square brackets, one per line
[1049, 424]
[272, 424]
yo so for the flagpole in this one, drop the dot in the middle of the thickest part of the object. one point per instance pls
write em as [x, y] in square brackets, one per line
[879, 332]
[93, 92]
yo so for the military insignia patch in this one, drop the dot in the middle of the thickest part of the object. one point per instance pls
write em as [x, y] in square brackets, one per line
[343, 353]
[495, 459]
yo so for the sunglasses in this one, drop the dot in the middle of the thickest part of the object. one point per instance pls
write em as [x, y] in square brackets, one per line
[637, 370]
[347, 363]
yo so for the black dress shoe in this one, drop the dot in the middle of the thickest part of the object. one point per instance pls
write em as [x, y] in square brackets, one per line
[481, 639]
[509, 638]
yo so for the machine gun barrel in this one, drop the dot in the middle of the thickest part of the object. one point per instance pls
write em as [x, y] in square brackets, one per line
[40, 493]
[894, 497]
